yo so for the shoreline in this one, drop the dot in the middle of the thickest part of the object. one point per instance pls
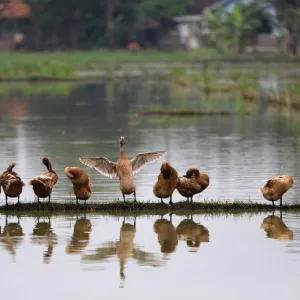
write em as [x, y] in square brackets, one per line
[178, 207]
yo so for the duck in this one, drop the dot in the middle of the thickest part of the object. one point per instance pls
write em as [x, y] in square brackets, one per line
[124, 168]
[276, 229]
[193, 233]
[166, 234]
[11, 183]
[125, 246]
[123, 249]
[192, 183]
[276, 187]
[81, 183]
[81, 236]
[166, 182]
[43, 235]
[43, 184]
[12, 235]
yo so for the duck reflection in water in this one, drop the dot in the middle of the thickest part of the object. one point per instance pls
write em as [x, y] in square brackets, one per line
[166, 234]
[193, 233]
[124, 249]
[276, 229]
[43, 235]
[12, 235]
[81, 236]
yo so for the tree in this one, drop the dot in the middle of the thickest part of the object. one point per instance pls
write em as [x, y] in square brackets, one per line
[288, 13]
[243, 22]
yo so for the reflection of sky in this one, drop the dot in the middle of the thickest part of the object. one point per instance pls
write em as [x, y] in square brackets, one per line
[238, 153]
[239, 261]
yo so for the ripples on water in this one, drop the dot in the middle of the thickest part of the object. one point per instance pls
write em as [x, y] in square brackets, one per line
[239, 153]
[151, 256]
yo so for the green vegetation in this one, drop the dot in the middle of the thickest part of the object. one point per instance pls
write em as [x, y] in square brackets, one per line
[31, 89]
[64, 65]
[232, 29]
[213, 206]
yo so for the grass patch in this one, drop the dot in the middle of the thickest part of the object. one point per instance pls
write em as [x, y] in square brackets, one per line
[61, 65]
[30, 89]
[186, 113]
[208, 206]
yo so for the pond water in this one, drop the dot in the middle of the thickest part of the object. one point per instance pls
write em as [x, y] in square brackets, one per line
[238, 152]
[146, 257]
[150, 257]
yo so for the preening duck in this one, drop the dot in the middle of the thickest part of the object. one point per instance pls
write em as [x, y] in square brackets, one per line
[123, 168]
[11, 183]
[276, 187]
[43, 184]
[192, 183]
[166, 182]
[81, 183]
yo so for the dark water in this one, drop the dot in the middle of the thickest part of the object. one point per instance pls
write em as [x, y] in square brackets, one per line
[238, 152]
[206, 256]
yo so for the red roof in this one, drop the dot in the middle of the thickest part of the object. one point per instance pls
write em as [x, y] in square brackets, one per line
[15, 9]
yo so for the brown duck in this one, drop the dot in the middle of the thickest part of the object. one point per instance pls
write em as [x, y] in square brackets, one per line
[192, 183]
[166, 182]
[81, 183]
[43, 235]
[166, 234]
[11, 183]
[276, 187]
[81, 236]
[123, 168]
[194, 234]
[43, 184]
[276, 229]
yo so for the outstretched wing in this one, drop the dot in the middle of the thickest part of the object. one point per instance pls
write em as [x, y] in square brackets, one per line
[101, 164]
[141, 159]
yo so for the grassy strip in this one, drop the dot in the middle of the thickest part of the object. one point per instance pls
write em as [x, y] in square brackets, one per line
[177, 113]
[61, 65]
[213, 206]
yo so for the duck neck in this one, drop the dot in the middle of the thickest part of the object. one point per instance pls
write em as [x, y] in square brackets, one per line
[49, 166]
[121, 148]
[10, 167]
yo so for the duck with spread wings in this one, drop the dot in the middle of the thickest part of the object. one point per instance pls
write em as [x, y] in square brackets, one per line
[123, 168]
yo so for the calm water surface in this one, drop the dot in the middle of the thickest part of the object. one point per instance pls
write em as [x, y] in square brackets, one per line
[238, 152]
[150, 257]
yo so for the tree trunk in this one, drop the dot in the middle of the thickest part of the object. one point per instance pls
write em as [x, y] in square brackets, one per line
[37, 36]
[73, 37]
[111, 6]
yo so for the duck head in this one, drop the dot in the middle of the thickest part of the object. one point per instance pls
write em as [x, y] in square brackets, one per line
[47, 163]
[165, 169]
[122, 141]
[192, 172]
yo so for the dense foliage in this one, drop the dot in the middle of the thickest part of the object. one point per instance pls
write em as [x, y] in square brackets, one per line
[233, 28]
[93, 24]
